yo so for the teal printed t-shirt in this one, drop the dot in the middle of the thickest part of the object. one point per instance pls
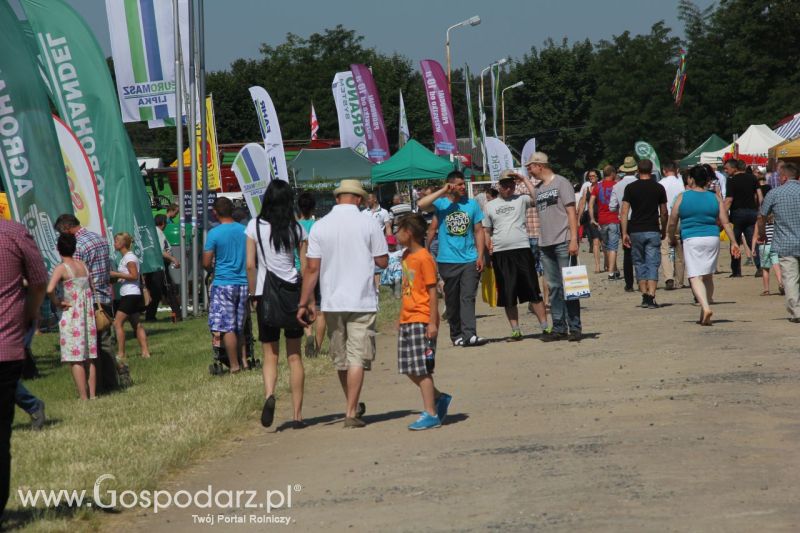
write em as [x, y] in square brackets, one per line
[456, 223]
[229, 244]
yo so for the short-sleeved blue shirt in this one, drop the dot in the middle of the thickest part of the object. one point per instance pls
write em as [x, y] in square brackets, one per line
[229, 244]
[456, 235]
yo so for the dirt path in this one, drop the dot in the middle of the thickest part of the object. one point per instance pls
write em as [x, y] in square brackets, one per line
[653, 423]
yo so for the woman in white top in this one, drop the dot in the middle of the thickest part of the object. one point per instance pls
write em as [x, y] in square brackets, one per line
[130, 291]
[272, 238]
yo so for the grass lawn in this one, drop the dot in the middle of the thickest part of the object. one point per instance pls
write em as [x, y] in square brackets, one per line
[174, 414]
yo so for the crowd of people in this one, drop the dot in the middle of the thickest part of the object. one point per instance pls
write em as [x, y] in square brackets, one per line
[303, 276]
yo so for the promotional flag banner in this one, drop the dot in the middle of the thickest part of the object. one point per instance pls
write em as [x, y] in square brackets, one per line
[351, 125]
[314, 123]
[473, 134]
[646, 151]
[371, 113]
[212, 151]
[83, 93]
[440, 106]
[253, 170]
[680, 79]
[30, 162]
[482, 119]
[80, 177]
[404, 134]
[270, 132]
[527, 151]
[495, 70]
[498, 157]
[142, 45]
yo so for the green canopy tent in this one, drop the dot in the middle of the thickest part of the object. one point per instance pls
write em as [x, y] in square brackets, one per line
[331, 164]
[712, 144]
[412, 162]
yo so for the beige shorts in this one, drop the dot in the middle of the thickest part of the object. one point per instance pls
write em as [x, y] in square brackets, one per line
[352, 339]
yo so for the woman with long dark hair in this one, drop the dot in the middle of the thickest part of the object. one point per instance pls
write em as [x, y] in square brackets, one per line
[272, 238]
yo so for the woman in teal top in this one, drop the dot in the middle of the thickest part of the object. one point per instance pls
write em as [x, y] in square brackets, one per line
[700, 214]
[306, 205]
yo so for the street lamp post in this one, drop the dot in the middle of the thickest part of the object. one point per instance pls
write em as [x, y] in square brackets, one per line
[472, 21]
[503, 105]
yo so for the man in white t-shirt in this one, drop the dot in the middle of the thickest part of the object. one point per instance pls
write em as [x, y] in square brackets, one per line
[379, 214]
[671, 258]
[343, 252]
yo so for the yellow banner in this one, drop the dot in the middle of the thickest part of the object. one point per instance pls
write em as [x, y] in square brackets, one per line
[5, 209]
[214, 181]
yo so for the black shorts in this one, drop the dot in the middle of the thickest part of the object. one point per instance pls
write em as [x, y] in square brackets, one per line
[591, 232]
[267, 333]
[131, 304]
[515, 275]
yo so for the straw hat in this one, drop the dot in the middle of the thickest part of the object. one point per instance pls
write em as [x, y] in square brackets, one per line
[539, 158]
[629, 165]
[350, 187]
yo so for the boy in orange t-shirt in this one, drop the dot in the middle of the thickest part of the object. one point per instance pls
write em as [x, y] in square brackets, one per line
[419, 321]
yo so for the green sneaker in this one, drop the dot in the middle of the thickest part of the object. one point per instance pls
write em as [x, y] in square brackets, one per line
[516, 335]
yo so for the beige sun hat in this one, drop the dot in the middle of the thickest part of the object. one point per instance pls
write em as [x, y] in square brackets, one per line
[538, 158]
[350, 187]
[629, 165]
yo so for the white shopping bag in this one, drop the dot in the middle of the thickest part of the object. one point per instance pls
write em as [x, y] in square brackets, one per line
[576, 282]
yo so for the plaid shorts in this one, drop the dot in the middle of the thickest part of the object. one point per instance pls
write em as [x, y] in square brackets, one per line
[228, 308]
[412, 344]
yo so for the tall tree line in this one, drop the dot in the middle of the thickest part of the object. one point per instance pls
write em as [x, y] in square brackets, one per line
[586, 103]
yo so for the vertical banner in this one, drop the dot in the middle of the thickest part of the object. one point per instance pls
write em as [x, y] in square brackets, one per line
[314, 123]
[440, 106]
[351, 126]
[498, 157]
[646, 151]
[30, 162]
[253, 171]
[142, 37]
[80, 177]
[404, 134]
[270, 132]
[473, 134]
[212, 151]
[495, 70]
[527, 151]
[482, 131]
[371, 113]
[83, 93]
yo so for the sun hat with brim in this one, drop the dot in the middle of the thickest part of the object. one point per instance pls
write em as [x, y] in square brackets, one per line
[629, 165]
[350, 187]
[539, 158]
[506, 176]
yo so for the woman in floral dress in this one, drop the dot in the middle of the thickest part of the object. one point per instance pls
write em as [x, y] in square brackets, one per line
[77, 325]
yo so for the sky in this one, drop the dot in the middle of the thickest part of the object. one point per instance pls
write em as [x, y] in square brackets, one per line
[414, 28]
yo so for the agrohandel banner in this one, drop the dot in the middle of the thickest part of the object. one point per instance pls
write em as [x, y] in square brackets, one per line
[351, 125]
[30, 161]
[440, 106]
[370, 103]
[83, 93]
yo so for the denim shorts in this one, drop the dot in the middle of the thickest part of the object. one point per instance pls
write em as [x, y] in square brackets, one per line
[768, 258]
[227, 308]
[537, 255]
[646, 254]
[610, 235]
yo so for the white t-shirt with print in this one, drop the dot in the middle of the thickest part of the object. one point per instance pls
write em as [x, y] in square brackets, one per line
[346, 245]
[129, 288]
[279, 263]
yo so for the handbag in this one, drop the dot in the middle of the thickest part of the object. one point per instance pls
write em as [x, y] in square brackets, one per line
[576, 282]
[101, 319]
[280, 299]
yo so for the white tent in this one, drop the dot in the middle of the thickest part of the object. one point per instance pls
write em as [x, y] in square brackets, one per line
[790, 129]
[753, 143]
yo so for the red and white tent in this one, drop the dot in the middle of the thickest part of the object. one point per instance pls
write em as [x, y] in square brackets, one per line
[752, 146]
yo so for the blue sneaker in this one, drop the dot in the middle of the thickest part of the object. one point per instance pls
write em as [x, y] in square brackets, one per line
[425, 421]
[442, 404]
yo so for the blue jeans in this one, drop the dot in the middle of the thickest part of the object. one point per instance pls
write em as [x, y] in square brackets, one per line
[537, 255]
[24, 399]
[646, 254]
[554, 258]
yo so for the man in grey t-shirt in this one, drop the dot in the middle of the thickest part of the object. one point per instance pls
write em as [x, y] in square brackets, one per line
[558, 241]
[513, 263]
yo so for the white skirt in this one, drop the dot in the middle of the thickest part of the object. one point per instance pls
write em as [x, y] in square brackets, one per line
[700, 255]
